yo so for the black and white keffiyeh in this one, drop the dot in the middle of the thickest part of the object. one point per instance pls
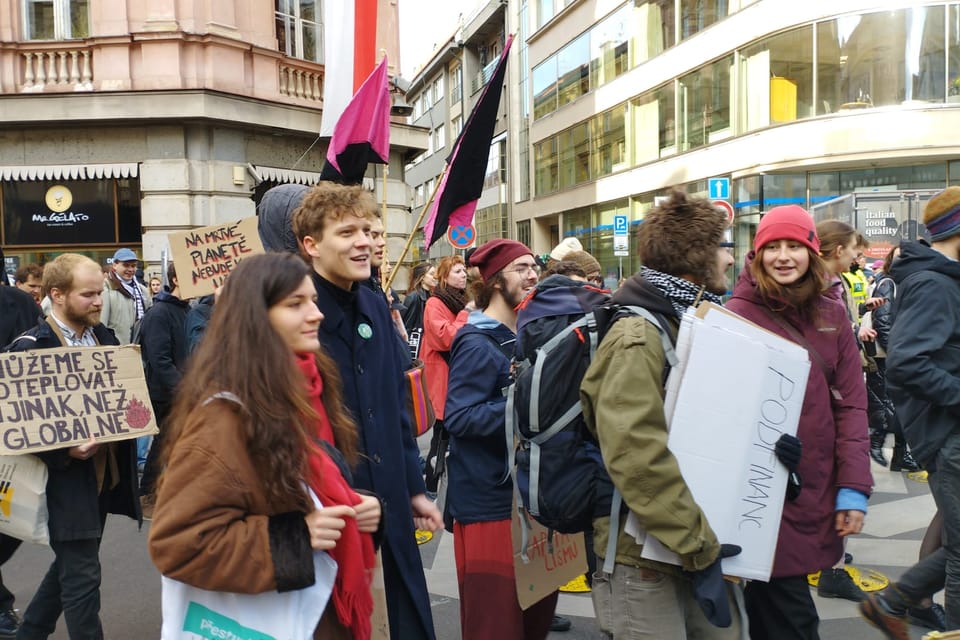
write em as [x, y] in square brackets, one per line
[682, 294]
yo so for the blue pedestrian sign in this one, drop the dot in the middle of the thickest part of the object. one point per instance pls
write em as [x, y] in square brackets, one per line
[462, 237]
[719, 188]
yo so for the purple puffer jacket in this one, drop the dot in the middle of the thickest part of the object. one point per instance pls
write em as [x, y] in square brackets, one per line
[834, 436]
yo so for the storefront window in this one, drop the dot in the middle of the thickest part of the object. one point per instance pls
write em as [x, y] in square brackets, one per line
[601, 240]
[705, 105]
[777, 79]
[855, 73]
[931, 176]
[576, 223]
[824, 186]
[954, 179]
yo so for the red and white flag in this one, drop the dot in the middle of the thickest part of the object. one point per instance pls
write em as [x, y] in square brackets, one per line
[349, 54]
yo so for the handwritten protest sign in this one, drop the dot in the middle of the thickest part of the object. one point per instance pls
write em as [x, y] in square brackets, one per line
[205, 257]
[543, 568]
[741, 388]
[55, 398]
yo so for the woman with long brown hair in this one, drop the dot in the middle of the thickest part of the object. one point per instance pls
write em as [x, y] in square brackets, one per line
[783, 288]
[443, 316]
[258, 418]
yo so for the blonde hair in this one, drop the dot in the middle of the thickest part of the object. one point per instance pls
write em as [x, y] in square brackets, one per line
[58, 273]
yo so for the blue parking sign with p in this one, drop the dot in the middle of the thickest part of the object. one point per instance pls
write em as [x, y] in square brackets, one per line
[620, 225]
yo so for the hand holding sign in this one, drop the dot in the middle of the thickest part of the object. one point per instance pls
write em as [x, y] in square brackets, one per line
[85, 451]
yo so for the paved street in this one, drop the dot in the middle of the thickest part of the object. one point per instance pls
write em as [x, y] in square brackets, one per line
[899, 513]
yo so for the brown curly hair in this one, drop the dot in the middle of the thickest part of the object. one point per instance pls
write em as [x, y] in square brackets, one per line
[681, 237]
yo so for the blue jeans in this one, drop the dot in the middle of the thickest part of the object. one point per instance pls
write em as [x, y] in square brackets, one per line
[941, 568]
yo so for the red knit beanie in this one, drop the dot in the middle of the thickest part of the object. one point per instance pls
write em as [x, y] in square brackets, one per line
[494, 255]
[790, 222]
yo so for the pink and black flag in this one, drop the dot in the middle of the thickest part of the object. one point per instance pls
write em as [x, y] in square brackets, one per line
[457, 195]
[362, 134]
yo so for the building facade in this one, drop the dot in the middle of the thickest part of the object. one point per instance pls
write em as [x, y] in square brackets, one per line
[615, 102]
[125, 121]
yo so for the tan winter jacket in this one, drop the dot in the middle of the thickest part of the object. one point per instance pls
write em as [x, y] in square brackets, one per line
[120, 309]
[622, 396]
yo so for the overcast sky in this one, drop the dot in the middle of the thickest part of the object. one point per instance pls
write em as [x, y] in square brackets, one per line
[425, 24]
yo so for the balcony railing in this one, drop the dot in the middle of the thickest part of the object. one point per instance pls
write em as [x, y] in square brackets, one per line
[482, 78]
[68, 69]
[301, 82]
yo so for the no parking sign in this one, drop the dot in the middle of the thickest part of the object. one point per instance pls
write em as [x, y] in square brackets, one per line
[462, 237]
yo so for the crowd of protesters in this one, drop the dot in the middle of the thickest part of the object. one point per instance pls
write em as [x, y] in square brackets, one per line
[284, 433]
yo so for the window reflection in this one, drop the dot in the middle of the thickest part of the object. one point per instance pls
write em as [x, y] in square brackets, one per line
[704, 102]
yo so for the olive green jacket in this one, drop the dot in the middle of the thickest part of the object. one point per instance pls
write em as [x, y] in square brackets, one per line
[622, 396]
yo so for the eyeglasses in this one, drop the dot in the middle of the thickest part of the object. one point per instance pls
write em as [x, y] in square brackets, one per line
[524, 269]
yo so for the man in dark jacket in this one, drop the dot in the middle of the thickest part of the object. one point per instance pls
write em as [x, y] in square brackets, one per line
[85, 481]
[333, 224]
[923, 374]
[480, 492]
[164, 342]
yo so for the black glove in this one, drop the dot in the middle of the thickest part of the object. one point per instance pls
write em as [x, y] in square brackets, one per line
[710, 591]
[788, 450]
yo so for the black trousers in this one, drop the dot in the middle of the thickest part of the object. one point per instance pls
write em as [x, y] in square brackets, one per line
[7, 546]
[782, 609]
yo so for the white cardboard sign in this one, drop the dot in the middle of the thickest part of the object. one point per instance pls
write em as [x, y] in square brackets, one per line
[741, 388]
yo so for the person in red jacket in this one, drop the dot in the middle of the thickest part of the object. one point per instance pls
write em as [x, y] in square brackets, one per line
[443, 315]
[782, 288]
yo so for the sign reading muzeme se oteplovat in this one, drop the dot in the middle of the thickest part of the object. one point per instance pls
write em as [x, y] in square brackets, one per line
[55, 398]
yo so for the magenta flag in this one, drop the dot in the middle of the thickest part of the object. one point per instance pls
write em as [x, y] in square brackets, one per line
[362, 134]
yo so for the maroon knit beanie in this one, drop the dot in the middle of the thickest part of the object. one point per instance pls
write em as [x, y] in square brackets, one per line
[494, 255]
[790, 222]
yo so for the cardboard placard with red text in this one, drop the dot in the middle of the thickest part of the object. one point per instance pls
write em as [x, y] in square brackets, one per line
[56, 398]
[204, 257]
[542, 572]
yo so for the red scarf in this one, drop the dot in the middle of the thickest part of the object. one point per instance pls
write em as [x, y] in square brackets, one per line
[354, 551]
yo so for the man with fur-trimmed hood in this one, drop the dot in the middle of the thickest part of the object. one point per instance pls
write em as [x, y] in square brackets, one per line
[622, 395]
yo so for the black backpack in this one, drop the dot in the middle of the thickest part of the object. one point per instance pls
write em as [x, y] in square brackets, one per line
[558, 470]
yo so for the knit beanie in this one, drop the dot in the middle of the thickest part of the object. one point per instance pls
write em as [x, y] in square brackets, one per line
[789, 222]
[565, 248]
[494, 255]
[942, 214]
[585, 261]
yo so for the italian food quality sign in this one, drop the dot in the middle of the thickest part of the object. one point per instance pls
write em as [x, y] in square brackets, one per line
[56, 398]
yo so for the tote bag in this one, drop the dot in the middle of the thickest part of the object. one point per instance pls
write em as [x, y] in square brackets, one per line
[23, 498]
[191, 613]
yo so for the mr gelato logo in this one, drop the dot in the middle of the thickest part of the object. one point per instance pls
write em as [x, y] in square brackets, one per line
[58, 200]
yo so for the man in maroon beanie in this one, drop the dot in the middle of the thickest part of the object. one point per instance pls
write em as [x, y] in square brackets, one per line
[479, 492]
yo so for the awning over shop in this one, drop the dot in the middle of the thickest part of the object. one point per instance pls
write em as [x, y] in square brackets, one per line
[70, 171]
[292, 176]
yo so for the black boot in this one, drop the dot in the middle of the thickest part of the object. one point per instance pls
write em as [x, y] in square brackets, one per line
[902, 460]
[877, 438]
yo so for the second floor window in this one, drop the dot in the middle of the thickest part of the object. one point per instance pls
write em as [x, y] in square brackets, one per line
[56, 19]
[299, 29]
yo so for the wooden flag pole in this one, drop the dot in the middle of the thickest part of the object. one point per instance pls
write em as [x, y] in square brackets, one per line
[413, 232]
[383, 218]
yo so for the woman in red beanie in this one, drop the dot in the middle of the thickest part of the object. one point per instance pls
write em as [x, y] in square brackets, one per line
[783, 289]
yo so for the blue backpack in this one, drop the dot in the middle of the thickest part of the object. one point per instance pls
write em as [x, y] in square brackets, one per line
[558, 470]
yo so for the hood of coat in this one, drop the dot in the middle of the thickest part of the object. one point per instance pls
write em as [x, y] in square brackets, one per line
[169, 298]
[638, 292]
[920, 256]
[275, 217]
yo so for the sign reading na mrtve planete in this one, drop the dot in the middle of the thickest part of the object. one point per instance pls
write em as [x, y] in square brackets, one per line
[204, 257]
[56, 398]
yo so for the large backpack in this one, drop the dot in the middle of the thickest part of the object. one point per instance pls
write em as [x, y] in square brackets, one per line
[559, 472]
